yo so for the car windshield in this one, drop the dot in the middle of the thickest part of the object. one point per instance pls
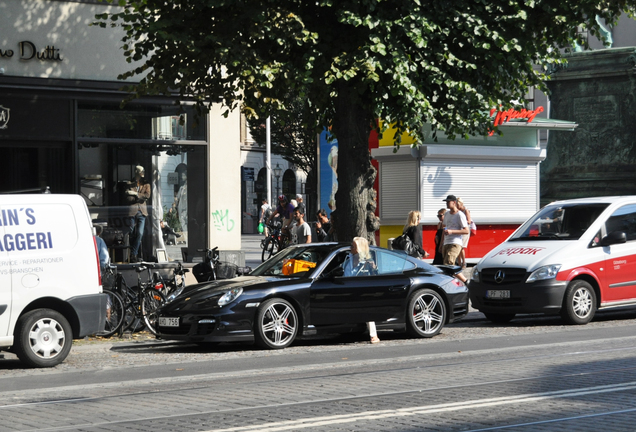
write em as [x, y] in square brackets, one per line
[293, 262]
[560, 222]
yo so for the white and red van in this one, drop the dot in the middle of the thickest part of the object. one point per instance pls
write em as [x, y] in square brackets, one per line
[571, 258]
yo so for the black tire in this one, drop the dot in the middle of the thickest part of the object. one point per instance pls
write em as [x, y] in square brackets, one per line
[270, 248]
[43, 338]
[150, 302]
[115, 313]
[579, 303]
[276, 325]
[499, 318]
[132, 317]
[425, 313]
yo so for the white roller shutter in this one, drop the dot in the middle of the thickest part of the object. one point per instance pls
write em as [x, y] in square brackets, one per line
[398, 190]
[502, 192]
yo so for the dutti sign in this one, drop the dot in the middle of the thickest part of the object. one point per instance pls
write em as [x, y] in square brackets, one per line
[26, 51]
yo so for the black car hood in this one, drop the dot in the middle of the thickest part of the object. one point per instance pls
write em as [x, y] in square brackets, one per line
[196, 294]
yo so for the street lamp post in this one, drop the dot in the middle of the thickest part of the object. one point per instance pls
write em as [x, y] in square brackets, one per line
[277, 173]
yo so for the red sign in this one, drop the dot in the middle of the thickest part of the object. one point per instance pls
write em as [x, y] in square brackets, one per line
[504, 116]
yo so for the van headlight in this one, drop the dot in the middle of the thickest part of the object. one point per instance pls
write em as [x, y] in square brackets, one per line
[230, 296]
[544, 273]
[474, 276]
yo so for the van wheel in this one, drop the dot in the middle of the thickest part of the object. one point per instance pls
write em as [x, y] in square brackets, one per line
[579, 303]
[43, 338]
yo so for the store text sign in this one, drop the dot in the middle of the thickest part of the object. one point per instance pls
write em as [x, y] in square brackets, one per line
[28, 51]
[504, 116]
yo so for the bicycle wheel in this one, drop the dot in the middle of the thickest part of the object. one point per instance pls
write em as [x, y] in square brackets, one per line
[271, 247]
[150, 302]
[115, 313]
[132, 317]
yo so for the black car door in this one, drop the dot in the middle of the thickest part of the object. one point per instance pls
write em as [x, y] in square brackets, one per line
[358, 299]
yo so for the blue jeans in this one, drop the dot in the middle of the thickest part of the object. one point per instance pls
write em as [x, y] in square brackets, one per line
[137, 224]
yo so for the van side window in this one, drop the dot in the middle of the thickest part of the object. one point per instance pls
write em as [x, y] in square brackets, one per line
[623, 219]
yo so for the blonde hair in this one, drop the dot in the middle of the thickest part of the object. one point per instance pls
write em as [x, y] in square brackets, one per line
[413, 219]
[460, 201]
[362, 245]
[442, 210]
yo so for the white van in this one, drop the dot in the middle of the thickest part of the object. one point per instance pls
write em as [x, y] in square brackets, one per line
[571, 258]
[50, 288]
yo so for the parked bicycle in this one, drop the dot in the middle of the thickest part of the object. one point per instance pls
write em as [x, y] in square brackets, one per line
[133, 308]
[275, 241]
[177, 285]
[213, 268]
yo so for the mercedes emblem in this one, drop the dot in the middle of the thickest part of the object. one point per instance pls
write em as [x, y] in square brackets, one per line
[500, 276]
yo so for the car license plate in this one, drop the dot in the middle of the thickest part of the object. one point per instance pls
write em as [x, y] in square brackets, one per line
[497, 294]
[168, 322]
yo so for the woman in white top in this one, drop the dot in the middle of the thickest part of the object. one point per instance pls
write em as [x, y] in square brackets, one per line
[465, 237]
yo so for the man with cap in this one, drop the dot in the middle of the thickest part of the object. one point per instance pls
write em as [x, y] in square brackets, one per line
[137, 194]
[455, 225]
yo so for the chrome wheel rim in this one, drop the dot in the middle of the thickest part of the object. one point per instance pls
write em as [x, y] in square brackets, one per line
[279, 324]
[582, 302]
[428, 313]
[47, 338]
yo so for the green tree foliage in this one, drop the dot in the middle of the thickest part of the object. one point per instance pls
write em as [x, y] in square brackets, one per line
[411, 62]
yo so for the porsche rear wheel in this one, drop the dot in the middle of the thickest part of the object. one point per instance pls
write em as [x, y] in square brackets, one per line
[276, 324]
[426, 313]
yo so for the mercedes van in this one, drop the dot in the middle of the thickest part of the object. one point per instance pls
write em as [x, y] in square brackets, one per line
[571, 258]
[50, 287]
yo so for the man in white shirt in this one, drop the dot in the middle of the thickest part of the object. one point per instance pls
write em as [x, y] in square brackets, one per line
[303, 232]
[455, 225]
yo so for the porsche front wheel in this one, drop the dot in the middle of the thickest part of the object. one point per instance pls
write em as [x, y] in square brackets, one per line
[276, 324]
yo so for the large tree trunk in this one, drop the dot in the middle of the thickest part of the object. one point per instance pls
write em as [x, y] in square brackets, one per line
[356, 175]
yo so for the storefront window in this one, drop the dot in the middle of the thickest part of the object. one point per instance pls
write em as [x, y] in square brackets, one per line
[158, 191]
[148, 122]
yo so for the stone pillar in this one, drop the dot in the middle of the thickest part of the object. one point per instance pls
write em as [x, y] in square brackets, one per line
[596, 90]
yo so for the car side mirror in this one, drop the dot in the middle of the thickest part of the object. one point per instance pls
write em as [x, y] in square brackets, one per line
[615, 237]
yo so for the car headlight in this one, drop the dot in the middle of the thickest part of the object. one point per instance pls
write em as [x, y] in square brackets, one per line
[474, 276]
[230, 296]
[544, 273]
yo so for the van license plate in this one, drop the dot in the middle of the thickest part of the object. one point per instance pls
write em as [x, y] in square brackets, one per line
[497, 294]
[168, 322]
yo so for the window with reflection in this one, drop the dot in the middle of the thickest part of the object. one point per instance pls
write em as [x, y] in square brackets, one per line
[147, 197]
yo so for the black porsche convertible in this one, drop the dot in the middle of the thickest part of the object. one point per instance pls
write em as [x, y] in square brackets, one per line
[303, 291]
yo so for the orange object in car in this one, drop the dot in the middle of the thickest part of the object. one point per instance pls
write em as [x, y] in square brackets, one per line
[296, 266]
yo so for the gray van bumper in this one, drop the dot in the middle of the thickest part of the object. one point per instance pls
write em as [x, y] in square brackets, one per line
[91, 313]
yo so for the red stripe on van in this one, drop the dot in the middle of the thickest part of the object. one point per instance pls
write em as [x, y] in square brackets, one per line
[99, 270]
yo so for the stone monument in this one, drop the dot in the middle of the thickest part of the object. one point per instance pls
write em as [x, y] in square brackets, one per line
[596, 89]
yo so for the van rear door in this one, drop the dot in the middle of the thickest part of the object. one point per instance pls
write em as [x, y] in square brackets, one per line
[5, 288]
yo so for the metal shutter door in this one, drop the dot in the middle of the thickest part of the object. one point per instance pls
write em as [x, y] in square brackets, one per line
[398, 189]
[502, 192]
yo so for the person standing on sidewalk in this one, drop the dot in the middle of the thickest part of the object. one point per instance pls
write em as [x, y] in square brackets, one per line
[413, 230]
[439, 257]
[465, 237]
[303, 231]
[323, 226]
[455, 226]
[266, 211]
